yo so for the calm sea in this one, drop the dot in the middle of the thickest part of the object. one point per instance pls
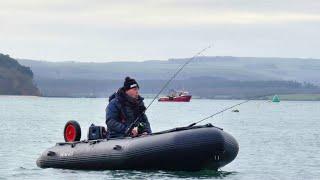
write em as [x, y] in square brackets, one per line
[277, 140]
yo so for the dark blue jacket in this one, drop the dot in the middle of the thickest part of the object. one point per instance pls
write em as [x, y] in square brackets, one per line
[123, 110]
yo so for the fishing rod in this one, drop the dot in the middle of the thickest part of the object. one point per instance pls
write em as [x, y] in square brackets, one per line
[219, 112]
[164, 86]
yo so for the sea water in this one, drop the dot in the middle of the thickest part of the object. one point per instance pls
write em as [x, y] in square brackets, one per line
[277, 140]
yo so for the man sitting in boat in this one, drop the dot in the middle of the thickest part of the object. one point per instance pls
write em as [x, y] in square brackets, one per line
[123, 109]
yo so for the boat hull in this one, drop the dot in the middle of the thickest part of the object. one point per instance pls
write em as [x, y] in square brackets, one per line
[189, 150]
[175, 99]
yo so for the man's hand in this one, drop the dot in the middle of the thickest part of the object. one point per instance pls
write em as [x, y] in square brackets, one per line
[134, 132]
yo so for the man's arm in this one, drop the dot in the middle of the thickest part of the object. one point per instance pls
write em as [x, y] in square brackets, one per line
[113, 119]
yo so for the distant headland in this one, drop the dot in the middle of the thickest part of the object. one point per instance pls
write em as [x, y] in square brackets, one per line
[16, 79]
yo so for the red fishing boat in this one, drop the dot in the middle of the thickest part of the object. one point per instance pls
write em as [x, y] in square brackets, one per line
[176, 96]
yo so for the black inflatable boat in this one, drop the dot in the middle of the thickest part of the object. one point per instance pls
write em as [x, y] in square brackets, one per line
[185, 148]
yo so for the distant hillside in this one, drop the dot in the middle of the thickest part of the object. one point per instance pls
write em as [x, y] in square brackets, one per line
[231, 68]
[206, 77]
[15, 79]
[203, 87]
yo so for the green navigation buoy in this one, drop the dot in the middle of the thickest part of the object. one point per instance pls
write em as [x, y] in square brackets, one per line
[275, 98]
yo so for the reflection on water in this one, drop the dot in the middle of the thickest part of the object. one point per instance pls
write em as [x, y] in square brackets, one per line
[127, 174]
[204, 174]
[121, 174]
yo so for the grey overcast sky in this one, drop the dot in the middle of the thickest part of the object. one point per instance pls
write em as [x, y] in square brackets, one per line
[135, 30]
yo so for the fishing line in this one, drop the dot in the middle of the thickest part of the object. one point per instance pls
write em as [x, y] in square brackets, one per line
[223, 110]
[164, 86]
[176, 73]
[219, 112]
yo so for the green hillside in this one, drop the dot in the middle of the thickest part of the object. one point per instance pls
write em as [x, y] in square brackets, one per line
[15, 79]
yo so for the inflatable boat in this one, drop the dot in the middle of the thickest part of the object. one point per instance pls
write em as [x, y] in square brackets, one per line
[184, 148]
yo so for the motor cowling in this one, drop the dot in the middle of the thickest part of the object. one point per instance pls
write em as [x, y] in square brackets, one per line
[97, 132]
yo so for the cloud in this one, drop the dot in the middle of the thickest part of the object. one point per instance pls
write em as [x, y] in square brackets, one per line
[145, 13]
[63, 29]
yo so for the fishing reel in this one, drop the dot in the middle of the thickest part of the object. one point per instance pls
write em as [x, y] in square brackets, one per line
[141, 127]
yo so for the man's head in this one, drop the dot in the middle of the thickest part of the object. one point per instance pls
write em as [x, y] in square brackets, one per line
[131, 87]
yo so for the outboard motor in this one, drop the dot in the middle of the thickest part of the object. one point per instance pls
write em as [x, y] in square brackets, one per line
[97, 132]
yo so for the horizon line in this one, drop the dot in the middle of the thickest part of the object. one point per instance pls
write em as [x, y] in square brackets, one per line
[169, 59]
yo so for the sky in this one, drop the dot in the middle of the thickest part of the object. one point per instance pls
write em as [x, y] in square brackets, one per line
[137, 30]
